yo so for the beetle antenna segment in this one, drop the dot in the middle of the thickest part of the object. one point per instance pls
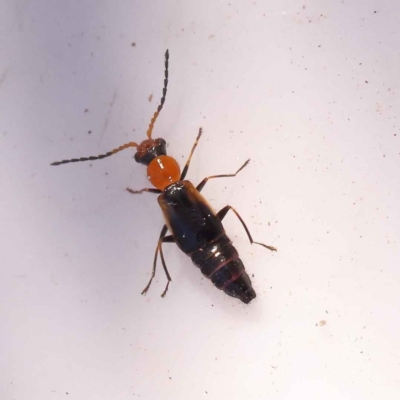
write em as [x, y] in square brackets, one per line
[159, 108]
[101, 156]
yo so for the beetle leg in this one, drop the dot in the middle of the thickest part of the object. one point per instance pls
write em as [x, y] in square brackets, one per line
[221, 214]
[166, 239]
[162, 239]
[186, 168]
[201, 185]
[149, 190]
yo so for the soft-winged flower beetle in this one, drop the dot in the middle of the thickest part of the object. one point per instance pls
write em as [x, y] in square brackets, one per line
[193, 225]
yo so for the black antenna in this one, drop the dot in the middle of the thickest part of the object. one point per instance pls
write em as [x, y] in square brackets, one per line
[130, 144]
[101, 156]
[159, 108]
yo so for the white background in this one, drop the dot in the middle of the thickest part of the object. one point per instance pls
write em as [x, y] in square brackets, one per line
[309, 91]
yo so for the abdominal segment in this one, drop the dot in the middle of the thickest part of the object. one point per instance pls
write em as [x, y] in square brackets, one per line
[220, 262]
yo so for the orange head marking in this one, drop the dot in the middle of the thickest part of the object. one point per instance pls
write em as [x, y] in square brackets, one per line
[150, 149]
[163, 171]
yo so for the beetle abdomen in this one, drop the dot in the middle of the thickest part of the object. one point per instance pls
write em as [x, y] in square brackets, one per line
[220, 262]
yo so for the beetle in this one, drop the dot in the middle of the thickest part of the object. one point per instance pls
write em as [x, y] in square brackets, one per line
[193, 225]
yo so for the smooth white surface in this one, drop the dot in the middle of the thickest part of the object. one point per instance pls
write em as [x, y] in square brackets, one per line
[309, 91]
